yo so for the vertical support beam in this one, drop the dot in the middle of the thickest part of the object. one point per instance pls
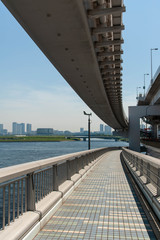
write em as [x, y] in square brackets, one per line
[77, 164]
[89, 133]
[158, 183]
[55, 178]
[68, 170]
[148, 173]
[134, 130]
[141, 167]
[30, 192]
[135, 113]
[155, 131]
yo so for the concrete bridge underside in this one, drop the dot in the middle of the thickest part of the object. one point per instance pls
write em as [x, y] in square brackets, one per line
[82, 39]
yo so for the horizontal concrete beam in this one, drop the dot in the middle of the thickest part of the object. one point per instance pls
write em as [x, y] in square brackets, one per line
[106, 62]
[101, 30]
[106, 54]
[112, 75]
[112, 83]
[104, 12]
[111, 70]
[110, 88]
[108, 43]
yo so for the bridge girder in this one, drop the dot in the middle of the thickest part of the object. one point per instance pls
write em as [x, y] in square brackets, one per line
[71, 34]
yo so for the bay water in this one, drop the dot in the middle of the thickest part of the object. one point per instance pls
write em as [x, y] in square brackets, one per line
[13, 153]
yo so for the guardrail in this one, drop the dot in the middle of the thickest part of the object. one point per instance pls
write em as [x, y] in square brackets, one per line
[146, 171]
[24, 186]
[153, 80]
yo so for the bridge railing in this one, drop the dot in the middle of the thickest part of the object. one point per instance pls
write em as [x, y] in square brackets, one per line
[23, 186]
[153, 80]
[146, 171]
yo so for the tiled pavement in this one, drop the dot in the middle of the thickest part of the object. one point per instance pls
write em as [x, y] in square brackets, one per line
[103, 206]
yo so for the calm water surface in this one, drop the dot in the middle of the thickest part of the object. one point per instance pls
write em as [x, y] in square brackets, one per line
[19, 152]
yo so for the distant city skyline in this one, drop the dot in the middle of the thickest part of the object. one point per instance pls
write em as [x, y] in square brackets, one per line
[26, 128]
[32, 87]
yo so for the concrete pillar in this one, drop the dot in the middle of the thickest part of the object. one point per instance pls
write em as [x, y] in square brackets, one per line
[135, 113]
[134, 130]
[155, 130]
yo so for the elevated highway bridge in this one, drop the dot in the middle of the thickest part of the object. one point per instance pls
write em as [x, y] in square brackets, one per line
[152, 98]
[82, 39]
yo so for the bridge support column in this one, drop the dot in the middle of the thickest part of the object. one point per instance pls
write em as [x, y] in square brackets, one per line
[135, 113]
[155, 130]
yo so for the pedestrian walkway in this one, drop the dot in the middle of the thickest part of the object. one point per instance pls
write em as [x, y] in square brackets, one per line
[103, 206]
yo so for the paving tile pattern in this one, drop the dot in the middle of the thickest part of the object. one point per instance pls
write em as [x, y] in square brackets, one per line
[103, 206]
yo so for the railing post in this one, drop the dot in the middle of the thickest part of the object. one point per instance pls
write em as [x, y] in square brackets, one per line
[77, 164]
[68, 170]
[137, 164]
[148, 173]
[134, 161]
[130, 159]
[158, 182]
[87, 159]
[93, 157]
[82, 160]
[141, 167]
[30, 192]
[55, 177]
[4, 200]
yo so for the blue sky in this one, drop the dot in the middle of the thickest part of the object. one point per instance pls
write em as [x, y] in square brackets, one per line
[31, 86]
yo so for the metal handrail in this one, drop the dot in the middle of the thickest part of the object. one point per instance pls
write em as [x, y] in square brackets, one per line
[15, 171]
[154, 78]
[24, 185]
[143, 163]
[143, 173]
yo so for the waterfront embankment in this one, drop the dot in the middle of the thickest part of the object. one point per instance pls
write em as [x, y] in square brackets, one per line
[37, 138]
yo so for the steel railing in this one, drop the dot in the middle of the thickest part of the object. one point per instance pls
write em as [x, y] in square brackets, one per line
[146, 171]
[24, 185]
[13, 200]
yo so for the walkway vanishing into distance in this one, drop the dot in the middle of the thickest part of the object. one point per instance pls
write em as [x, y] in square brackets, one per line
[103, 206]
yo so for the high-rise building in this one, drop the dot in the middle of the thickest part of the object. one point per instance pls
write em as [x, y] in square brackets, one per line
[18, 128]
[5, 131]
[101, 128]
[14, 128]
[81, 130]
[107, 130]
[1, 129]
[29, 128]
[22, 128]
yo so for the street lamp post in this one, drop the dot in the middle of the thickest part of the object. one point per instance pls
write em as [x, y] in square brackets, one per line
[89, 134]
[144, 87]
[152, 49]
